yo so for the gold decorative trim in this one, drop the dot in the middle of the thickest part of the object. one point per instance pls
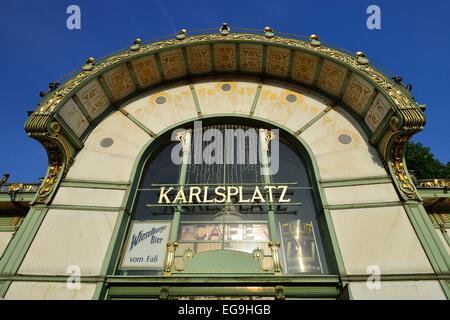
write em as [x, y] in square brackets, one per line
[60, 153]
[397, 95]
[170, 257]
[405, 184]
[20, 187]
[434, 183]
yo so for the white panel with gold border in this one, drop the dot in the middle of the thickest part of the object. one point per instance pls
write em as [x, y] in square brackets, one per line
[376, 113]
[146, 71]
[74, 118]
[172, 64]
[304, 67]
[199, 59]
[277, 61]
[93, 98]
[225, 57]
[331, 77]
[251, 57]
[119, 82]
[358, 93]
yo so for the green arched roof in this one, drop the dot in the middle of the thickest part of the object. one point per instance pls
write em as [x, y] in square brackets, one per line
[386, 111]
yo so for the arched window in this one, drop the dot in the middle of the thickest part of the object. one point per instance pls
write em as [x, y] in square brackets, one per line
[224, 190]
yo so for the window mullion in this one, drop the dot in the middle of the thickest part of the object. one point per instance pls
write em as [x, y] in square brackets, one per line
[185, 140]
[264, 149]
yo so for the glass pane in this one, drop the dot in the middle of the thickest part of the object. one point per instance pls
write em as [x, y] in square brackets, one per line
[298, 225]
[159, 170]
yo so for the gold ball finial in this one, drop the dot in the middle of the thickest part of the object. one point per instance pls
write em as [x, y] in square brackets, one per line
[89, 65]
[315, 41]
[224, 29]
[136, 44]
[181, 34]
[361, 57]
[268, 32]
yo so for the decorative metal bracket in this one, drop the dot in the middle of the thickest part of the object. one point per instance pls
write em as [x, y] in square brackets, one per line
[187, 255]
[258, 255]
[275, 248]
[170, 257]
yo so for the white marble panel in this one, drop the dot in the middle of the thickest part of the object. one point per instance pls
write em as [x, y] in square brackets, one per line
[398, 290]
[163, 108]
[89, 197]
[5, 238]
[382, 237]
[373, 193]
[341, 148]
[226, 96]
[292, 108]
[70, 237]
[21, 290]
[100, 161]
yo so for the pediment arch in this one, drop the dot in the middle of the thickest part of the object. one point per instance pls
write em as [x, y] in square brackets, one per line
[67, 116]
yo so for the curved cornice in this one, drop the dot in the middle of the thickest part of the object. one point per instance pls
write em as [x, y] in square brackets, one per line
[386, 111]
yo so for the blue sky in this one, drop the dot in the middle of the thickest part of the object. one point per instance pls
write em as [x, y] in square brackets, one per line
[37, 48]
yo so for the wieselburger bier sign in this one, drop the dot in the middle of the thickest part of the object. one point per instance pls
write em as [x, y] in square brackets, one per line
[146, 245]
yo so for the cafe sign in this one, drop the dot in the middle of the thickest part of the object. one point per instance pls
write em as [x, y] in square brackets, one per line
[146, 245]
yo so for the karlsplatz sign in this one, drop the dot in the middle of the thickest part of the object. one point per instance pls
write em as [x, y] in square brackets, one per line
[223, 194]
[146, 245]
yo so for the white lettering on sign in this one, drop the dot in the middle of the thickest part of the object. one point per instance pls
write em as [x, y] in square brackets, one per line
[146, 245]
[222, 194]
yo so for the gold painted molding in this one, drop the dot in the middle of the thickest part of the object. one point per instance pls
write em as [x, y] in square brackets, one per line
[434, 183]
